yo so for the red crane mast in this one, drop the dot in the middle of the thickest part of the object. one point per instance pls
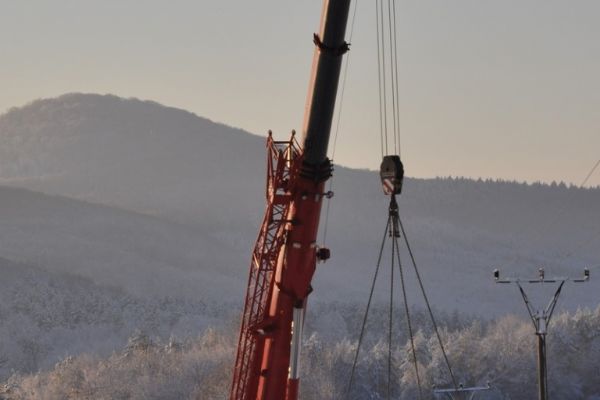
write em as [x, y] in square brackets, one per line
[285, 255]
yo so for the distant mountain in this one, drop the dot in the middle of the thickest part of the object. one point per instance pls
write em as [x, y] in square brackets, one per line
[134, 154]
[191, 194]
[77, 277]
[141, 255]
[121, 216]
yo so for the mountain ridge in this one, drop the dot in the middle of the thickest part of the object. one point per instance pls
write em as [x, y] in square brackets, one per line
[165, 162]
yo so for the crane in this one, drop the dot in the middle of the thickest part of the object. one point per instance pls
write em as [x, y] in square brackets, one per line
[286, 253]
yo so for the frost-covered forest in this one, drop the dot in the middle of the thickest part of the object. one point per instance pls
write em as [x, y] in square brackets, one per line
[501, 352]
[125, 235]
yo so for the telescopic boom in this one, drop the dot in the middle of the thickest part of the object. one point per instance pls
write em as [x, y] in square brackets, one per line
[286, 252]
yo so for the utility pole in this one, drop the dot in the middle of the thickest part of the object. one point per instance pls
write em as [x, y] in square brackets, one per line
[541, 317]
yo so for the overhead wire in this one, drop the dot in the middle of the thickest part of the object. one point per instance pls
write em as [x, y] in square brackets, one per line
[382, 71]
[589, 175]
[557, 216]
[590, 238]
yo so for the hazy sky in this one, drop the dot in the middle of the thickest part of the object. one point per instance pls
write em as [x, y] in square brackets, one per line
[506, 88]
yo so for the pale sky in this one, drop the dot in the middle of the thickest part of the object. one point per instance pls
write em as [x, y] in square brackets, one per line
[502, 89]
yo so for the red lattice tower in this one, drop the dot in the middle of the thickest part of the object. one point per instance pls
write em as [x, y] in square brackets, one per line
[282, 163]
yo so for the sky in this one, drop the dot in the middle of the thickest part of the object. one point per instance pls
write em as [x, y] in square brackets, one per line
[494, 89]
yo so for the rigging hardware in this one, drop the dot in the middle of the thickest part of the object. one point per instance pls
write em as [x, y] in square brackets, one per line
[467, 393]
[394, 229]
[392, 175]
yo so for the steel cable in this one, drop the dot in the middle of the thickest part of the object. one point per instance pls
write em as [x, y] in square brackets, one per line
[364, 322]
[339, 118]
[391, 322]
[408, 320]
[382, 142]
[392, 75]
[383, 72]
[397, 80]
[433, 321]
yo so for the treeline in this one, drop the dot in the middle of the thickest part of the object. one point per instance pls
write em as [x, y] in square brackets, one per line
[501, 352]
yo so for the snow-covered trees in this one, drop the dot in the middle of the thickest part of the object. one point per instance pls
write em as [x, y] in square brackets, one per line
[501, 352]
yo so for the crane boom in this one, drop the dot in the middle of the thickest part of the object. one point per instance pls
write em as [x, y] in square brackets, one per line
[285, 255]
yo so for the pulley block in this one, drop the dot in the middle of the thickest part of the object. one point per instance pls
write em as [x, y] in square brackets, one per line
[392, 175]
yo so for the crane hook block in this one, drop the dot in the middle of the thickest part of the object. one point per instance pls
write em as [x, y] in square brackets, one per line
[392, 175]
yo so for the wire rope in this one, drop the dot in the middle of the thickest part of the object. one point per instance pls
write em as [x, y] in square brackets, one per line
[397, 80]
[338, 121]
[381, 74]
[433, 321]
[394, 223]
[382, 142]
[344, 78]
[408, 320]
[391, 321]
[364, 321]
[392, 75]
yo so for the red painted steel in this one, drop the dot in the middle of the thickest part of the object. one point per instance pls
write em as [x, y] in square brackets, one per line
[292, 389]
[292, 285]
[282, 267]
[285, 254]
[282, 162]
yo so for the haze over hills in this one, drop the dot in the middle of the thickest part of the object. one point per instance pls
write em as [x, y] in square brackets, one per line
[139, 254]
[203, 183]
[120, 216]
[132, 154]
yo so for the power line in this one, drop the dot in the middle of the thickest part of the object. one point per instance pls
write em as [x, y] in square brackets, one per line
[589, 175]
[557, 216]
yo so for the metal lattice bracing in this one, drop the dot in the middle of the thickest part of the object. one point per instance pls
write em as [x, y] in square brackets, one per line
[282, 162]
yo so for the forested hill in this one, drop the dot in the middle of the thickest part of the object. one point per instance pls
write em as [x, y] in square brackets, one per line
[149, 159]
[122, 218]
